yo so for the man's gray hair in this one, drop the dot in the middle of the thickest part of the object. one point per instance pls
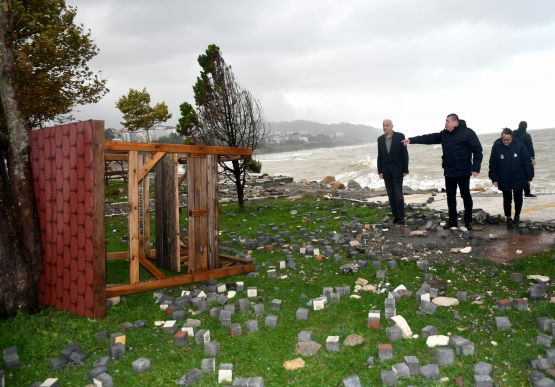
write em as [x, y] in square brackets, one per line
[387, 121]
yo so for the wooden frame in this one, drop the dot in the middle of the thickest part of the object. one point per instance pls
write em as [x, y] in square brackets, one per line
[204, 260]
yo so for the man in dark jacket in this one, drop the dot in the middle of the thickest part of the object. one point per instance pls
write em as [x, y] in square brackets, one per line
[393, 165]
[462, 157]
[526, 139]
[510, 170]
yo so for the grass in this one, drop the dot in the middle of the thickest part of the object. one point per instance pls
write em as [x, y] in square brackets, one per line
[43, 335]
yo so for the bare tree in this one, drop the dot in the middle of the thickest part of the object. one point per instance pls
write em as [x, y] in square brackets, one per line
[226, 115]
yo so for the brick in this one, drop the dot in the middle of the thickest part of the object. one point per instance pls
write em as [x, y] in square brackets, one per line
[141, 365]
[385, 351]
[332, 343]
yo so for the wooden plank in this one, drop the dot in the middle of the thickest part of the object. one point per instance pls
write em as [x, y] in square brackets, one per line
[176, 148]
[176, 261]
[145, 169]
[133, 216]
[213, 218]
[124, 255]
[116, 156]
[243, 261]
[146, 215]
[152, 268]
[197, 203]
[120, 290]
[99, 247]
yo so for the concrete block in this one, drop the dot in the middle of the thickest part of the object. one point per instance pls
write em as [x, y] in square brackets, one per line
[251, 326]
[483, 381]
[208, 365]
[302, 314]
[427, 307]
[69, 349]
[394, 333]
[141, 365]
[402, 370]
[57, 363]
[413, 364]
[444, 356]
[104, 361]
[170, 326]
[212, 348]
[252, 292]
[271, 321]
[502, 323]
[304, 336]
[351, 381]
[103, 380]
[215, 312]
[194, 375]
[95, 372]
[116, 350]
[78, 357]
[235, 329]
[181, 339]
[385, 351]
[389, 378]
[332, 343]
[258, 309]
[225, 373]
[276, 304]
[428, 330]
[520, 304]
[430, 372]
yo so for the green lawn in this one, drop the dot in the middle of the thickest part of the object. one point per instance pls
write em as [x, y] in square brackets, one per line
[44, 334]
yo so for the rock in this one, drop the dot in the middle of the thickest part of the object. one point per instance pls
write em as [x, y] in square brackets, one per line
[295, 364]
[537, 277]
[418, 233]
[466, 250]
[307, 348]
[403, 325]
[337, 185]
[361, 281]
[445, 301]
[437, 341]
[372, 288]
[352, 184]
[353, 340]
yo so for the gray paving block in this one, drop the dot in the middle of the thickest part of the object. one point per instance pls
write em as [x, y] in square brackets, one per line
[251, 326]
[141, 365]
[116, 350]
[212, 348]
[402, 370]
[544, 340]
[370, 361]
[191, 377]
[180, 339]
[520, 304]
[70, 348]
[11, 361]
[462, 295]
[103, 380]
[104, 361]
[332, 343]
[101, 335]
[389, 378]
[444, 356]
[271, 321]
[483, 381]
[550, 354]
[304, 336]
[430, 371]
[208, 365]
[78, 357]
[139, 323]
[257, 381]
[302, 314]
[394, 333]
[258, 309]
[235, 329]
[215, 312]
[93, 373]
[428, 330]
[276, 304]
[427, 307]
[544, 323]
[502, 323]
[413, 364]
[351, 381]
[57, 363]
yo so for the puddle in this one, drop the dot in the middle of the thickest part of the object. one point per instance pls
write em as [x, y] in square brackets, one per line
[504, 248]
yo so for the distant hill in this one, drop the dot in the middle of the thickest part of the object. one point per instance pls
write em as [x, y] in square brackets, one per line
[300, 134]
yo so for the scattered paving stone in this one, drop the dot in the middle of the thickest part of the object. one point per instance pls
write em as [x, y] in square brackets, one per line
[462, 296]
[351, 381]
[302, 314]
[78, 357]
[141, 365]
[427, 307]
[291, 365]
[428, 330]
[116, 350]
[103, 380]
[374, 319]
[437, 341]
[483, 381]
[430, 371]
[516, 277]
[502, 323]
[370, 361]
[101, 335]
[544, 323]
[413, 364]
[208, 365]
[332, 343]
[389, 378]
[401, 370]
[385, 351]
[251, 326]
[544, 340]
[271, 321]
[212, 348]
[353, 340]
[57, 363]
[191, 377]
[538, 291]
[257, 381]
[235, 329]
[394, 333]
[276, 304]
[401, 322]
[520, 304]
[304, 336]
[225, 373]
[96, 371]
[307, 348]
[202, 336]
[444, 356]
[482, 368]
[504, 304]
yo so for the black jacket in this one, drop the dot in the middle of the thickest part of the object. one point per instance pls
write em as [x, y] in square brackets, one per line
[396, 162]
[510, 165]
[526, 139]
[462, 151]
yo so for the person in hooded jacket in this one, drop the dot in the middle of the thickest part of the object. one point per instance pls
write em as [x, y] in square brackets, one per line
[525, 138]
[462, 158]
[510, 170]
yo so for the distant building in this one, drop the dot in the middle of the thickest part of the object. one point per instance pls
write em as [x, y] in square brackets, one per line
[142, 135]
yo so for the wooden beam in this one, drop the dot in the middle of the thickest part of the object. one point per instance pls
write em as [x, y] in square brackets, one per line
[116, 156]
[133, 198]
[175, 148]
[243, 261]
[124, 255]
[152, 269]
[119, 290]
[146, 215]
[150, 164]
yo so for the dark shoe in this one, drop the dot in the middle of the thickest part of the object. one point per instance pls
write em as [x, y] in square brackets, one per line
[510, 224]
[395, 220]
[516, 220]
[468, 226]
[450, 224]
[530, 196]
[401, 221]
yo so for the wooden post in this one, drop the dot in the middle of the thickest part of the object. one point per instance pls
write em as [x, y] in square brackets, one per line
[213, 212]
[146, 214]
[198, 212]
[99, 261]
[133, 198]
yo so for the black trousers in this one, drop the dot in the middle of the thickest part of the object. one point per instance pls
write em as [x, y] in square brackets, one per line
[507, 202]
[526, 190]
[463, 182]
[394, 188]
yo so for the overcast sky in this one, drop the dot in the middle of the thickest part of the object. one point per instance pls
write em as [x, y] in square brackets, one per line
[490, 61]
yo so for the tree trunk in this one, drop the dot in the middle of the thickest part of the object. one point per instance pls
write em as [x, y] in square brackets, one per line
[239, 184]
[20, 248]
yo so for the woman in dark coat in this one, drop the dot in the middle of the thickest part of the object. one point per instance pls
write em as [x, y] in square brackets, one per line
[510, 170]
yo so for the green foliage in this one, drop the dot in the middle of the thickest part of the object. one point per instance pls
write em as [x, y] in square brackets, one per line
[51, 55]
[188, 122]
[137, 112]
[254, 165]
[172, 138]
[109, 134]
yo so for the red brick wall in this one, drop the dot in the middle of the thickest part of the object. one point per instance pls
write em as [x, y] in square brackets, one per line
[67, 162]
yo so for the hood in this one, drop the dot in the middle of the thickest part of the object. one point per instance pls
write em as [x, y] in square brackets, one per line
[462, 124]
[522, 126]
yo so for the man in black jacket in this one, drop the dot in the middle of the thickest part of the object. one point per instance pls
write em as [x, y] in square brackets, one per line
[393, 165]
[462, 157]
[525, 138]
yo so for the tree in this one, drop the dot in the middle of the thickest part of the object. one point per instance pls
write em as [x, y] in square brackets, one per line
[43, 75]
[226, 114]
[137, 112]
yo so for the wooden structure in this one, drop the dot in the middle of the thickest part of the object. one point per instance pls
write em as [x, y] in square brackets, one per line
[68, 163]
[202, 255]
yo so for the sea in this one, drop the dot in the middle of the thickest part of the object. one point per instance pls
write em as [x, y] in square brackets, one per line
[358, 163]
